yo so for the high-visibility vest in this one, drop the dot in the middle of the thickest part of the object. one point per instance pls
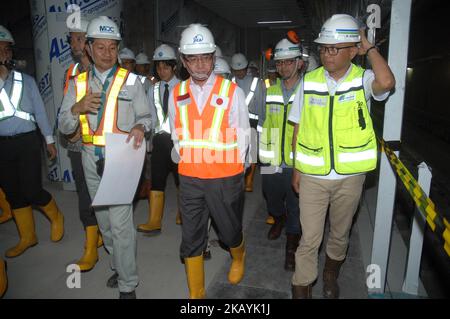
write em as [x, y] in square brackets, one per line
[163, 119]
[208, 146]
[10, 107]
[275, 143]
[335, 132]
[72, 72]
[108, 123]
[250, 96]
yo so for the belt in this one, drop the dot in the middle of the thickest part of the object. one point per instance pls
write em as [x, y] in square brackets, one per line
[13, 137]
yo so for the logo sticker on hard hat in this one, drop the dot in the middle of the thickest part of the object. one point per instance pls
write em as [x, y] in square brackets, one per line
[160, 53]
[198, 38]
[106, 28]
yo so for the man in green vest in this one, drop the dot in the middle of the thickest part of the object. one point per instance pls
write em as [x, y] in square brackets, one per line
[275, 149]
[335, 147]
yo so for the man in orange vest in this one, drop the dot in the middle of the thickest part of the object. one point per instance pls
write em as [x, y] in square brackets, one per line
[211, 132]
[108, 99]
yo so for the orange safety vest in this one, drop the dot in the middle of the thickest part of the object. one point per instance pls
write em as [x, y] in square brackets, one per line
[72, 72]
[208, 146]
[108, 123]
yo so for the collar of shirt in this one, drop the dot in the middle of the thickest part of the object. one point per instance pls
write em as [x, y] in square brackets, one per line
[287, 93]
[332, 83]
[172, 82]
[201, 93]
[99, 75]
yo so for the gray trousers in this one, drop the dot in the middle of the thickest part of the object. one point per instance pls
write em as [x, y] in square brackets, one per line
[117, 228]
[222, 199]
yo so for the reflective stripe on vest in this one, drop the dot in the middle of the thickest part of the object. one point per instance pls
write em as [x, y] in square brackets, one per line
[213, 141]
[107, 124]
[10, 107]
[275, 143]
[72, 72]
[335, 132]
[250, 96]
[163, 121]
[267, 81]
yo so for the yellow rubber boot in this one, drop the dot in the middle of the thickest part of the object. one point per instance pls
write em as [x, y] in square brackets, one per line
[3, 278]
[237, 265]
[249, 179]
[100, 240]
[195, 277]
[178, 220]
[57, 219]
[25, 224]
[270, 220]
[5, 208]
[156, 203]
[90, 257]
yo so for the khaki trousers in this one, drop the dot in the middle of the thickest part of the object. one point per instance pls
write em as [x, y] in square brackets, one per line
[316, 195]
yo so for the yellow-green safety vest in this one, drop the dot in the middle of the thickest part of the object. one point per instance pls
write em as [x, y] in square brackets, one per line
[275, 143]
[335, 132]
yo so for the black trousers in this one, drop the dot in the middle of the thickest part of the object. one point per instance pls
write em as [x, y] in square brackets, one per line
[162, 163]
[87, 213]
[281, 198]
[21, 170]
[222, 199]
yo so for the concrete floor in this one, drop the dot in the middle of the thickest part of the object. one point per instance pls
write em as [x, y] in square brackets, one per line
[41, 271]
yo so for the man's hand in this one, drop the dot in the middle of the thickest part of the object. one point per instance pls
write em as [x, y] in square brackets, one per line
[51, 149]
[138, 133]
[365, 44]
[90, 103]
[296, 181]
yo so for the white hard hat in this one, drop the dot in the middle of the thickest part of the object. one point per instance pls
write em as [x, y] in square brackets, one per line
[164, 53]
[340, 28]
[103, 28]
[197, 39]
[81, 27]
[127, 54]
[5, 35]
[285, 49]
[239, 61]
[218, 52]
[142, 58]
[221, 66]
[253, 64]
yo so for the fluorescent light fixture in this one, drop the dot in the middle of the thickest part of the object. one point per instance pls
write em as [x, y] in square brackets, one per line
[274, 22]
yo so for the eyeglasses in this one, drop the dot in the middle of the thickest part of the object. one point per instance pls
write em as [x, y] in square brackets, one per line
[333, 51]
[205, 58]
[285, 62]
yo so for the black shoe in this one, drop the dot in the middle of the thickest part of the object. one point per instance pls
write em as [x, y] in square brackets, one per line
[112, 281]
[128, 295]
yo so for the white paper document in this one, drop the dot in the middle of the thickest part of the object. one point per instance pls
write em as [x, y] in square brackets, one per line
[123, 168]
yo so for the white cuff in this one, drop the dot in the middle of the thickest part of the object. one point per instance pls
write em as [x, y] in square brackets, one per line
[50, 139]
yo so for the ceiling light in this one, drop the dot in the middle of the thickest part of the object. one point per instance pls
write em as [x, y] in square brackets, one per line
[274, 22]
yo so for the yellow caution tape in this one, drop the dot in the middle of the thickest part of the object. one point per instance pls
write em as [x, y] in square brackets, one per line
[438, 224]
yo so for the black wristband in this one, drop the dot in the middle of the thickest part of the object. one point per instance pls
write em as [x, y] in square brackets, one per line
[373, 47]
